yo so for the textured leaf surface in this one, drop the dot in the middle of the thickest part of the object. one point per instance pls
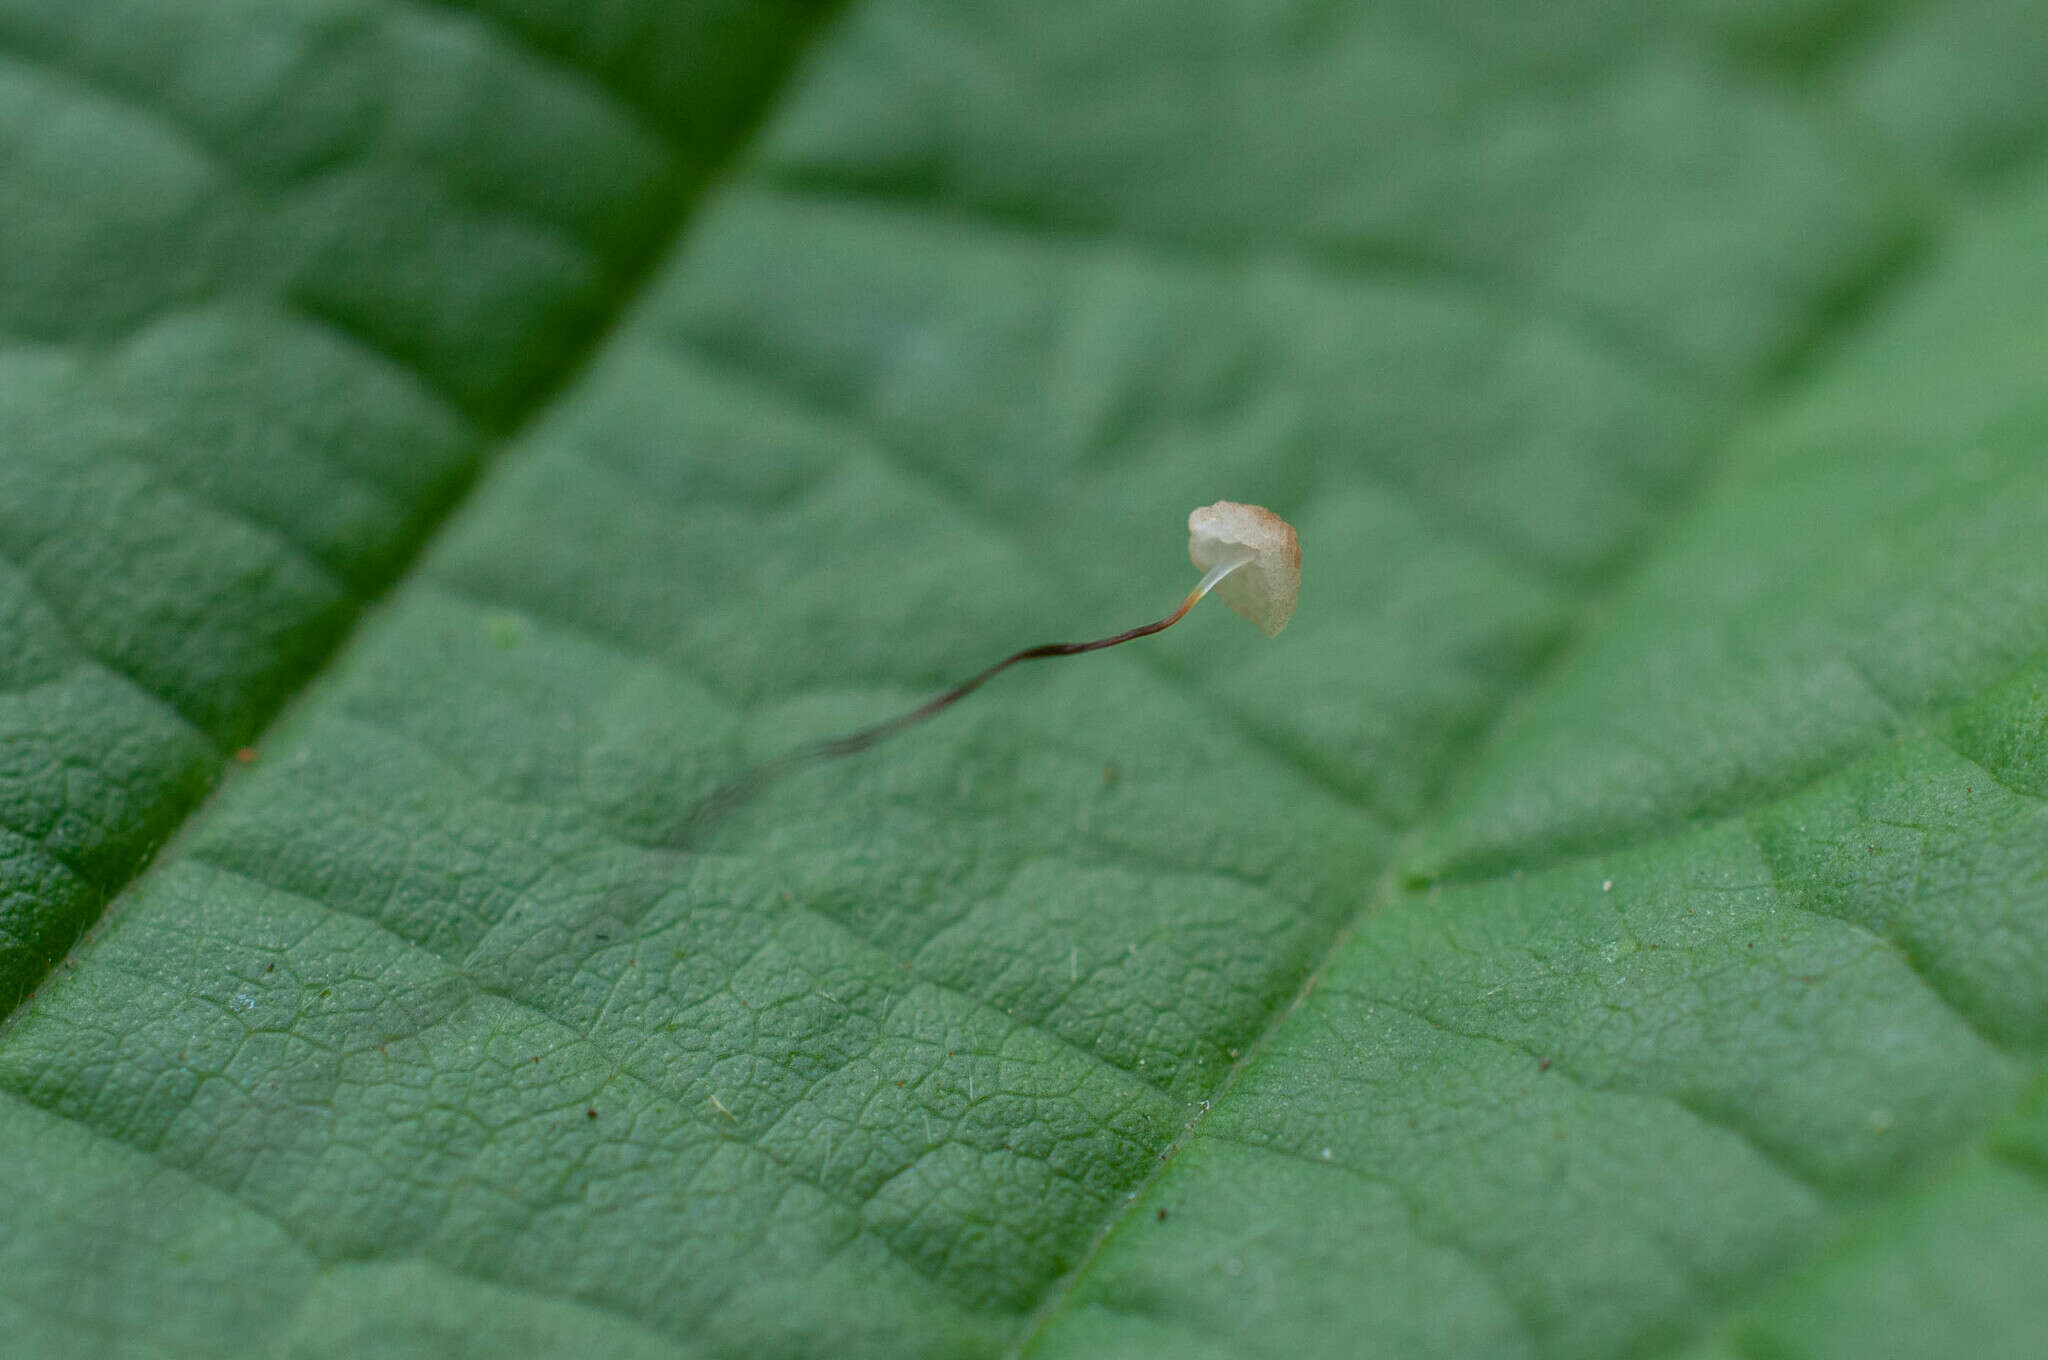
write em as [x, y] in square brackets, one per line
[440, 445]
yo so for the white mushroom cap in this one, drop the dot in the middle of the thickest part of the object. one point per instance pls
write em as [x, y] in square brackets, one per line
[1263, 589]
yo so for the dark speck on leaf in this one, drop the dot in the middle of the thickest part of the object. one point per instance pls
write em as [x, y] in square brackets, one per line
[1543, 1064]
[1162, 1215]
[591, 1113]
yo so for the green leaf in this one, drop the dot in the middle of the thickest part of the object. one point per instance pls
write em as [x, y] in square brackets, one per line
[442, 445]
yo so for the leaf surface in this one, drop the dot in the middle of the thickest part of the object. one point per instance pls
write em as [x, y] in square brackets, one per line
[445, 444]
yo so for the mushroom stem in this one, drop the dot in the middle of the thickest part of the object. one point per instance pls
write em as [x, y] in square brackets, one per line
[868, 736]
[743, 787]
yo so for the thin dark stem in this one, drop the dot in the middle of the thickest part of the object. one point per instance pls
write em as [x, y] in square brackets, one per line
[743, 788]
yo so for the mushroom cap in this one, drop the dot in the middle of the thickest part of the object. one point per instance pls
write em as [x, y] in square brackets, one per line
[1262, 590]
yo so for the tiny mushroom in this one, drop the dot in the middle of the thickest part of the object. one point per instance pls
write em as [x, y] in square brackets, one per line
[1254, 558]
[1247, 554]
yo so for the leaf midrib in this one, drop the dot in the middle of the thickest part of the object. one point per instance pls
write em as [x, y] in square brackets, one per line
[365, 605]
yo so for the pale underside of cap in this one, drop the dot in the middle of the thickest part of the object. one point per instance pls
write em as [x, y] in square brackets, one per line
[1263, 590]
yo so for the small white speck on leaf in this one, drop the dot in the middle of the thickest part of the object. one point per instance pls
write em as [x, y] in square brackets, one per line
[1606, 885]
